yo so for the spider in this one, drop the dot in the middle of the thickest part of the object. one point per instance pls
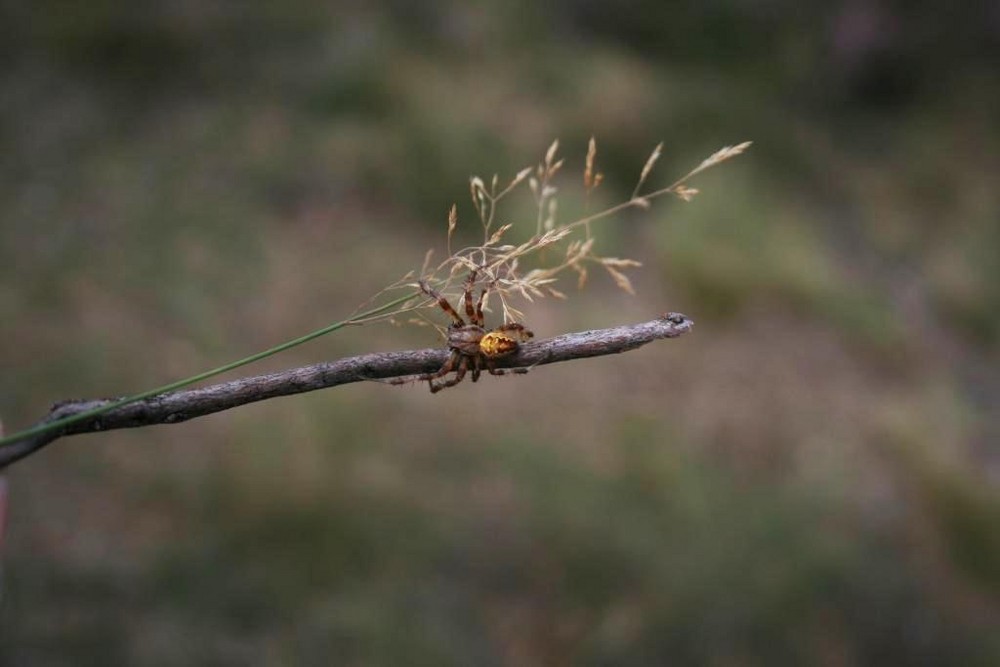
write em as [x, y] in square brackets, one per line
[472, 346]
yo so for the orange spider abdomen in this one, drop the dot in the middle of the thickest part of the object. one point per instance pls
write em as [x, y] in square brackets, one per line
[496, 344]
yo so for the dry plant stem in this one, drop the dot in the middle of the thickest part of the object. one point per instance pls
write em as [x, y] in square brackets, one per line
[179, 406]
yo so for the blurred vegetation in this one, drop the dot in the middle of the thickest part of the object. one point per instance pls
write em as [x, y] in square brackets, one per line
[809, 477]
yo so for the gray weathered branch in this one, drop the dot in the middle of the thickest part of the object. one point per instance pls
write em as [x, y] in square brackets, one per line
[187, 404]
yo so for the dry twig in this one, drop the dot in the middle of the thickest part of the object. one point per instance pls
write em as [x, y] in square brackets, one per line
[180, 406]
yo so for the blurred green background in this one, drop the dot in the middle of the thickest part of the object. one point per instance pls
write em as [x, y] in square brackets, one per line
[810, 477]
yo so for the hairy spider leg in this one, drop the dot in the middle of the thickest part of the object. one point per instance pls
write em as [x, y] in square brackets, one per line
[492, 368]
[463, 365]
[456, 361]
[443, 302]
[446, 368]
[477, 367]
[479, 308]
[470, 313]
[521, 332]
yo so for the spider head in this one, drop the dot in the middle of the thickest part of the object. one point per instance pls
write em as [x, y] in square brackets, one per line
[465, 338]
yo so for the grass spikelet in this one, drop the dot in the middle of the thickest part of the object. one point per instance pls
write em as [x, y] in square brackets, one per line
[476, 187]
[648, 168]
[498, 234]
[620, 278]
[620, 263]
[452, 223]
[588, 168]
[685, 193]
[521, 175]
[550, 154]
[720, 155]
[550, 220]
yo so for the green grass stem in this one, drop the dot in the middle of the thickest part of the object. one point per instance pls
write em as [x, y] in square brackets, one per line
[179, 384]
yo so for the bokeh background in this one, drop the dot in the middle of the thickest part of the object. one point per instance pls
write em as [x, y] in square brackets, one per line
[810, 477]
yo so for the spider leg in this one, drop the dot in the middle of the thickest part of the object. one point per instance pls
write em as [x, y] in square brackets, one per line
[492, 368]
[517, 329]
[470, 313]
[479, 307]
[477, 367]
[443, 302]
[463, 365]
[446, 368]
